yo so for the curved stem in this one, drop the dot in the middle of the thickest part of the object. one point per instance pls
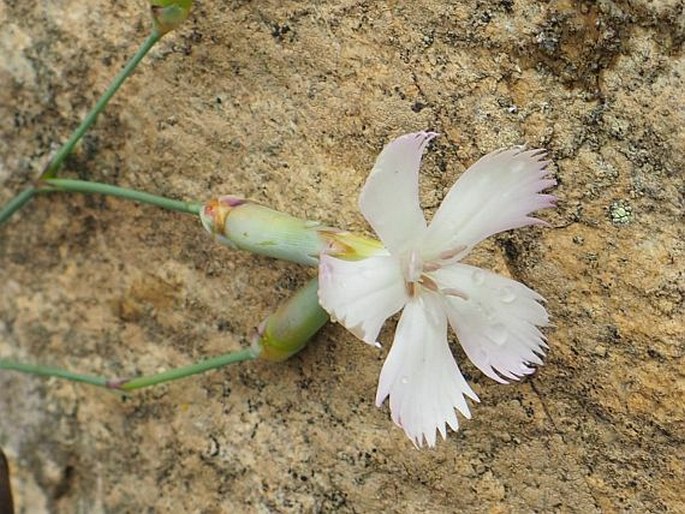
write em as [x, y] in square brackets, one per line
[85, 186]
[55, 163]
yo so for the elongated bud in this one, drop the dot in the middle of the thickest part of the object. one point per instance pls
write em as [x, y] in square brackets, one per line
[169, 14]
[290, 328]
[242, 224]
[239, 223]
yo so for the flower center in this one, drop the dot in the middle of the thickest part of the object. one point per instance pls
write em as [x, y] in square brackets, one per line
[417, 273]
[413, 267]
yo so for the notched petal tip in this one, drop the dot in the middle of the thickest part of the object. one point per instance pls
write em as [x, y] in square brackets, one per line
[498, 326]
[360, 332]
[420, 376]
[495, 194]
[389, 199]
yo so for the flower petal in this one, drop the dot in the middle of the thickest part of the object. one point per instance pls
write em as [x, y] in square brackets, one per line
[361, 294]
[496, 194]
[420, 374]
[390, 198]
[497, 322]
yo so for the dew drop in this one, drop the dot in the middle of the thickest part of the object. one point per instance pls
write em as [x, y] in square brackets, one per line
[478, 277]
[497, 333]
[487, 312]
[507, 295]
[404, 380]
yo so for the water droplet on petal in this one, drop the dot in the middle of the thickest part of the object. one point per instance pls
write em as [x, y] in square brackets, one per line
[507, 295]
[497, 333]
[404, 380]
[487, 312]
[478, 277]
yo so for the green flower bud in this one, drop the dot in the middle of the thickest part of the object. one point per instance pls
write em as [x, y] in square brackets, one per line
[242, 224]
[169, 14]
[290, 328]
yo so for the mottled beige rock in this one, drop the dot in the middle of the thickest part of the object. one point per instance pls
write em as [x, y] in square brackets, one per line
[289, 102]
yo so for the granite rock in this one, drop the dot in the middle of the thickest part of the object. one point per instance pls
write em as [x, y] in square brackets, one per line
[288, 102]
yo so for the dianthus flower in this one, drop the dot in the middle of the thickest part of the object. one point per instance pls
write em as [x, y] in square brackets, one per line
[419, 271]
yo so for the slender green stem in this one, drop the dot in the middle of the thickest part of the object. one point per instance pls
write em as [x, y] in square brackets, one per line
[46, 371]
[16, 203]
[133, 383]
[54, 165]
[85, 186]
[185, 371]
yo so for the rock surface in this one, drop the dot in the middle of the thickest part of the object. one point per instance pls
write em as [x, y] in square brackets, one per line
[289, 103]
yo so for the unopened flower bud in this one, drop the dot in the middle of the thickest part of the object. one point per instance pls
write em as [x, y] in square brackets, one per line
[290, 328]
[239, 223]
[169, 14]
[245, 225]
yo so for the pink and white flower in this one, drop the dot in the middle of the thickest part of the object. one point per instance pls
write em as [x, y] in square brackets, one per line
[496, 319]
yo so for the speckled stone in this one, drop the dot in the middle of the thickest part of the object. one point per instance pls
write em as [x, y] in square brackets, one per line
[289, 102]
